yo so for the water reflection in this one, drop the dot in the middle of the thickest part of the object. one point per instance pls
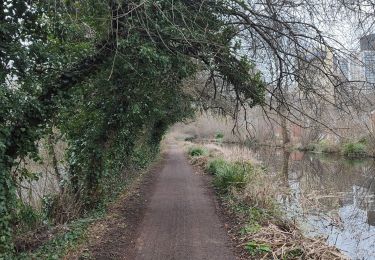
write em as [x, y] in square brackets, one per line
[329, 196]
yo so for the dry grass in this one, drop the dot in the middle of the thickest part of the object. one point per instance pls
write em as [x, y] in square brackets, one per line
[290, 244]
[206, 126]
[232, 153]
[261, 190]
[64, 207]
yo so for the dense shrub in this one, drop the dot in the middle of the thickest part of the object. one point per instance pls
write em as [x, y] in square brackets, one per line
[354, 149]
[309, 147]
[26, 218]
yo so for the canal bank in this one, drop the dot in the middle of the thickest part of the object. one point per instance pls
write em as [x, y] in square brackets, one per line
[248, 193]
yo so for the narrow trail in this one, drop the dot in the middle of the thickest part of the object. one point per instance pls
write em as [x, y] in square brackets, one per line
[180, 221]
[170, 214]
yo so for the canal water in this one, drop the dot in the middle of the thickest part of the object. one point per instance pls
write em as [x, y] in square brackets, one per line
[328, 196]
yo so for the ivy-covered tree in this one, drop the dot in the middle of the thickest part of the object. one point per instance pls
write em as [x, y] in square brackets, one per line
[107, 74]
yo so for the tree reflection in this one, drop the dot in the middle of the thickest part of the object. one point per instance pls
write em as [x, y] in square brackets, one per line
[285, 167]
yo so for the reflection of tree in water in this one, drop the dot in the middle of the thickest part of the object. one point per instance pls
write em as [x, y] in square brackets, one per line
[285, 167]
[328, 180]
[365, 195]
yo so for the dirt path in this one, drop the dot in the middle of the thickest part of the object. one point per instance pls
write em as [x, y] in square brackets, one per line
[169, 214]
[180, 222]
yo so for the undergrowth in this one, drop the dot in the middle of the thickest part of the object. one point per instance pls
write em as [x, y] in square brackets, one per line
[64, 232]
[57, 247]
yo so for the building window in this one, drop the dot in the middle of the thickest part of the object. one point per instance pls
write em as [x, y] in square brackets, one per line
[369, 62]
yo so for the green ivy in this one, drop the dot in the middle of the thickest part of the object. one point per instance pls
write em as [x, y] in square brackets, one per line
[111, 86]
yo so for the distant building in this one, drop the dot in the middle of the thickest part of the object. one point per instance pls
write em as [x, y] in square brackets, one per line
[369, 64]
[341, 67]
[360, 66]
[357, 68]
[367, 44]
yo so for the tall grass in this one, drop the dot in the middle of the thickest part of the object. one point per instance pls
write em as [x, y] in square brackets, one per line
[197, 151]
[229, 174]
[216, 165]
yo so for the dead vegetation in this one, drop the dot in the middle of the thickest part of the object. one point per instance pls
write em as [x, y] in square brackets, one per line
[290, 244]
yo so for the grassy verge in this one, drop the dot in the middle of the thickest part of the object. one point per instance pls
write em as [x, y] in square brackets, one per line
[247, 194]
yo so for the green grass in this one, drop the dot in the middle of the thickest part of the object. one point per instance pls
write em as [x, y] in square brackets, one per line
[215, 165]
[253, 207]
[250, 228]
[197, 151]
[247, 193]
